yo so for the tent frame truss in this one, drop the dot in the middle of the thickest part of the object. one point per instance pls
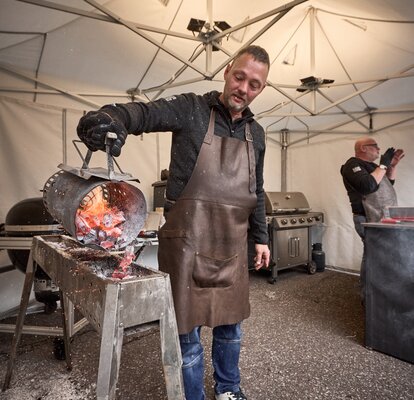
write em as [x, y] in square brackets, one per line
[213, 40]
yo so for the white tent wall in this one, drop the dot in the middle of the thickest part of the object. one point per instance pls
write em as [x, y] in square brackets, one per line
[54, 65]
[28, 160]
[37, 138]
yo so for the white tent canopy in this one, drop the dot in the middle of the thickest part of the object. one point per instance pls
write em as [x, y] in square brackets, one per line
[352, 61]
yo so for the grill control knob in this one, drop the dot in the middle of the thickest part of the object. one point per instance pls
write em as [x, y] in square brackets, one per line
[310, 219]
[317, 218]
[293, 221]
[301, 220]
[284, 221]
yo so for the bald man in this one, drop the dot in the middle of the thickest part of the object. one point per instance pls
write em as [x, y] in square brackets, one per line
[370, 186]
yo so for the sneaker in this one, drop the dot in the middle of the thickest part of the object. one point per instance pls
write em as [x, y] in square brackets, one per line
[231, 396]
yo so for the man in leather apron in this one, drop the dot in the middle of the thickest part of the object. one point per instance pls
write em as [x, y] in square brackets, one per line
[370, 186]
[214, 195]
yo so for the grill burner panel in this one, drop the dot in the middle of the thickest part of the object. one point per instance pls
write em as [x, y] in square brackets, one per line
[295, 220]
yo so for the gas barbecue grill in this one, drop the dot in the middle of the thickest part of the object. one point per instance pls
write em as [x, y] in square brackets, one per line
[289, 220]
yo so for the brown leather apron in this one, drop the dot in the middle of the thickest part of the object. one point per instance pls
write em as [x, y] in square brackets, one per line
[376, 203]
[203, 244]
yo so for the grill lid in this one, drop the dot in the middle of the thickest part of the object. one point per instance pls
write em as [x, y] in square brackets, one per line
[286, 203]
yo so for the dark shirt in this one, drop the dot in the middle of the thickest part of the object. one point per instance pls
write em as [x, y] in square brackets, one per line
[187, 117]
[359, 182]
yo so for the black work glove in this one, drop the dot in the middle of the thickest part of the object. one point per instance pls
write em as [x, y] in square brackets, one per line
[387, 157]
[94, 126]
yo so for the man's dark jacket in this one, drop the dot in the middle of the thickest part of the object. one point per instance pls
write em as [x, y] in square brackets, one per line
[187, 117]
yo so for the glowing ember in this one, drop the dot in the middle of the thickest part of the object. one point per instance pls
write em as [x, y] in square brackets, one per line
[98, 223]
[122, 271]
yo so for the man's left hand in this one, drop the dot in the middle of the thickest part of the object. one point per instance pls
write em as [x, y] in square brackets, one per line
[262, 258]
[398, 155]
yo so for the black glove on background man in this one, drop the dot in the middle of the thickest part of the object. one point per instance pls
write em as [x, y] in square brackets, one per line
[387, 157]
[94, 126]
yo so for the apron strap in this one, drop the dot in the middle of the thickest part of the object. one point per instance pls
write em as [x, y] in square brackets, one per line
[252, 163]
[210, 131]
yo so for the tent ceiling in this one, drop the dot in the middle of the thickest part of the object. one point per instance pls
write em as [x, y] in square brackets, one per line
[124, 49]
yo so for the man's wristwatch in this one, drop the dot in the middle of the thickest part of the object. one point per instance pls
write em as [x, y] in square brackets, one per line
[382, 166]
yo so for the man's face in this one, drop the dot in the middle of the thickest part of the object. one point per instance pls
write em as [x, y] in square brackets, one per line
[244, 79]
[372, 150]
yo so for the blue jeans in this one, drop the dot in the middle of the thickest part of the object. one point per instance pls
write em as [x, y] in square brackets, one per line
[225, 357]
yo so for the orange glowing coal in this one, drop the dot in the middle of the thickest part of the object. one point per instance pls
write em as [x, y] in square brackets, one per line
[97, 222]
[122, 271]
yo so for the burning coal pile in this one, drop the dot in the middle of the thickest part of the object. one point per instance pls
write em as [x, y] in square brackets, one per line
[123, 270]
[101, 262]
[100, 223]
[97, 222]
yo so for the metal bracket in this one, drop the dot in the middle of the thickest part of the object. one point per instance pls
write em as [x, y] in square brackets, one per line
[110, 174]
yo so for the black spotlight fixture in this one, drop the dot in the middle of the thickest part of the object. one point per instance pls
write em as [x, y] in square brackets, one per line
[196, 25]
[312, 83]
[221, 25]
[205, 31]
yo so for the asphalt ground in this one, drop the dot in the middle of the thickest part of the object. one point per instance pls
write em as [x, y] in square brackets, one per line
[303, 340]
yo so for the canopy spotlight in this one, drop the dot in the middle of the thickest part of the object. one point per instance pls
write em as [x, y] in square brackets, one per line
[312, 83]
[205, 30]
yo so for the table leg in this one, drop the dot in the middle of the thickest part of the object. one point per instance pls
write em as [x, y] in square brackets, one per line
[66, 321]
[111, 346]
[24, 301]
[170, 348]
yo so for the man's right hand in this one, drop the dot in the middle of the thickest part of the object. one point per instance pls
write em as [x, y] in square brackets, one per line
[94, 126]
[387, 157]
